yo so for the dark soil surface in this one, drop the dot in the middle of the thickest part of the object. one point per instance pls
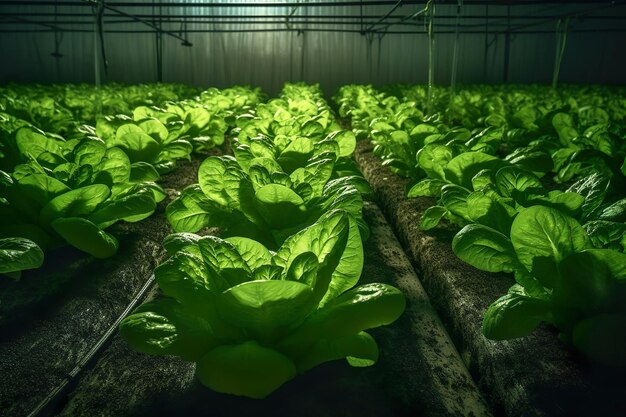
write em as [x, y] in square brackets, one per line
[531, 376]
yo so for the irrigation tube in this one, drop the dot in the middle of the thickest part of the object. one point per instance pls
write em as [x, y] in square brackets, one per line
[63, 387]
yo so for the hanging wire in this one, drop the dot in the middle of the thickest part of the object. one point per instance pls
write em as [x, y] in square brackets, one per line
[507, 46]
[428, 23]
[369, 37]
[105, 61]
[380, 37]
[97, 9]
[455, 52]
[58, 38]
[561, 40]
[58, 35]
[304, 50]
[291, 13]
[182, 32]
[300, 34]
[487, 43]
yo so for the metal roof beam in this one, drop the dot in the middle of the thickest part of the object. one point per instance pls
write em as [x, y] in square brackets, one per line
[356, 31]
[22, 20]
[140, 20]
[382, 19]
[289, 4]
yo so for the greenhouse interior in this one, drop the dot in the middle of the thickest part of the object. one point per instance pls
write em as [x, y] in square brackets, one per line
[375, 208]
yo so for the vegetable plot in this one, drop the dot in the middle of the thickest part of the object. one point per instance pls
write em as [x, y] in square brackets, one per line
[278, 296]
[67, 185]
[495, 161]
[561, 279]
[160, 136]
[70, 191]
[251, 318]
[263, 203]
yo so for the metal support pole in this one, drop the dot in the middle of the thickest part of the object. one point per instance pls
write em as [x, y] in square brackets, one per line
[561, 40]
[507, 51]
[158, 41]
[280, 4]
[97, 48]
[303, 50]
[361, 12]
[455, 51]
[487, 44]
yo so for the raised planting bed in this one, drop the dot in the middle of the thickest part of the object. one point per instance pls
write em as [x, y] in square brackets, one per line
[57, 314]
[532, 376]
[419, 371]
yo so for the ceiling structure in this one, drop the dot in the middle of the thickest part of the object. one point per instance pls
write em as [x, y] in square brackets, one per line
[379, 17]
[494, 40]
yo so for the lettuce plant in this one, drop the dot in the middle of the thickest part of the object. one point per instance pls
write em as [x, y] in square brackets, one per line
[300, 111]
[18, 254]
[161, 135]
[268, 205]
[253, 319]
[474, 187]
[199, 125]
[262, 202]
[561, 280]
[587, 144]
[283, 124]
[147, 140]
[71, 191]
[63, 108]
[293, 131]
[9, 153]
[295, 152]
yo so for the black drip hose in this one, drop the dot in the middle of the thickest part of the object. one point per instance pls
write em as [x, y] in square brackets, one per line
[70, 380]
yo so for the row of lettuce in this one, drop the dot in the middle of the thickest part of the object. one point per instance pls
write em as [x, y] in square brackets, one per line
[276, 294]
[535, 180]
[65, 185]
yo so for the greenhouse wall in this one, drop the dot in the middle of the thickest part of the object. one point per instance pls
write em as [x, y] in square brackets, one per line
[333, 58]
